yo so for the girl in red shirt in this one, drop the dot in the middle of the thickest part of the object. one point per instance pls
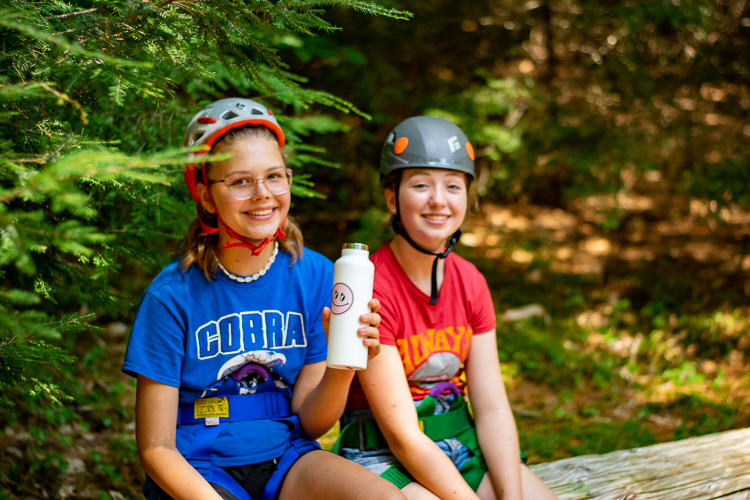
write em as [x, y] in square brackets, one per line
[438, 339]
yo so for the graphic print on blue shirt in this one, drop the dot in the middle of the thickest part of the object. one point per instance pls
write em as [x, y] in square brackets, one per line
[216, 338]
[248, 330]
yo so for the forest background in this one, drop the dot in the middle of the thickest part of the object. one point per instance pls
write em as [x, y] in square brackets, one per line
[614, 228]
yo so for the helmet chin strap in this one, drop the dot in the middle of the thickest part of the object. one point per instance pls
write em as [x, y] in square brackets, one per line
[242, 241]
[398, 227]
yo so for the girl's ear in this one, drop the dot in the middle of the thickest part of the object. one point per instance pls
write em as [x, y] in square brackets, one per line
[390, 199]
[204, 198]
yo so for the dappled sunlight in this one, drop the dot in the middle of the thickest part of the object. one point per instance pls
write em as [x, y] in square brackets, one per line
[598, 208]
[639, 324]
[707, 252]
[556, 220]
[656, 380]
[522, 256]
[563, 253]
[470, 239]
[684, 227]
[505, 220]
[576, 247]
[637, 254]
[596, 246]
[584, 265]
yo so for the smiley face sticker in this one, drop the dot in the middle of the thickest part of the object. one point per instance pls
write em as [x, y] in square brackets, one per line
[341, 298]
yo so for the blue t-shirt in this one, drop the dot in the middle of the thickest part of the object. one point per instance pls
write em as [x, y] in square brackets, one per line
[192, 333]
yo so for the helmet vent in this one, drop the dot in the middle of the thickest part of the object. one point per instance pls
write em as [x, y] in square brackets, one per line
[256, 111]
[228, 115]
[196, 137]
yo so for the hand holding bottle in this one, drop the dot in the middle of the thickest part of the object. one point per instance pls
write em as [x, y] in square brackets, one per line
[353, 277]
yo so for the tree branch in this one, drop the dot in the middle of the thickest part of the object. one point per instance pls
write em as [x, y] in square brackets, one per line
[80, 13]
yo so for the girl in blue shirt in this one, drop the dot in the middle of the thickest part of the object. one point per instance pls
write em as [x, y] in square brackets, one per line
[229, 342]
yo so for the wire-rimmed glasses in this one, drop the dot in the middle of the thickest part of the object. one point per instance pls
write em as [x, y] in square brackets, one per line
[243, 186]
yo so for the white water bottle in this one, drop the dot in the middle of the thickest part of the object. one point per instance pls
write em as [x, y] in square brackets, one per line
[353, 276]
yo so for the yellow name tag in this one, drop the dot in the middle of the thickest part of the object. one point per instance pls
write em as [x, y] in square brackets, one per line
[211, 407]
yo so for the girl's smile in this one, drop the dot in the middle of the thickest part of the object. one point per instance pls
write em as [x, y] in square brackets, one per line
[260, 214]
[436, 218]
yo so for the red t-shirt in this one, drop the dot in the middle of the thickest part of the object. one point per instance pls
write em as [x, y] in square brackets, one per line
[433, 341]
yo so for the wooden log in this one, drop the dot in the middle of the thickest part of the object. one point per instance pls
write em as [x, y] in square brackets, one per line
[740, 495]
[715, 466]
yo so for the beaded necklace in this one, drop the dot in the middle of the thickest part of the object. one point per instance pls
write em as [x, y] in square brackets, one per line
[248, 279]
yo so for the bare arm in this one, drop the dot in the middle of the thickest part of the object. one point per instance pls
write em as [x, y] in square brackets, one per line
[388, 393]
[155, 430]
[320, 392]
[319, 397]
[496, 428]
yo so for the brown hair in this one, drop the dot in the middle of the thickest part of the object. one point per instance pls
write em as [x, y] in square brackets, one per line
[202, 249]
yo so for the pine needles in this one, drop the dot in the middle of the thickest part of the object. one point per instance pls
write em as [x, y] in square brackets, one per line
[92, 101]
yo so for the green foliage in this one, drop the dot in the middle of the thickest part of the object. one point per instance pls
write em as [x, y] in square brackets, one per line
[562, 100]
[550, 441]
[93, 100]
[697, 414]
[582, 106]
[19, 360]
[89, 185]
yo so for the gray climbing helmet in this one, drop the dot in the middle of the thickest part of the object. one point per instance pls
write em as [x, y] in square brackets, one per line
[427, 142]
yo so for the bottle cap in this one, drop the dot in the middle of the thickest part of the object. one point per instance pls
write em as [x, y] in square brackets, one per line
[356, 246]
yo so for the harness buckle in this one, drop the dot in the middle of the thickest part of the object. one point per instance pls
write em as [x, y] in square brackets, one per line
[211, 421]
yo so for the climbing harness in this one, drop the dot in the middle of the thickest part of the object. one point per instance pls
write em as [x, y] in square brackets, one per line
[212, 414]
[456, 423]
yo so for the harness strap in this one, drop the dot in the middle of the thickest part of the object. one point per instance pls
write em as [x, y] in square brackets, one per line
[449, 424]
[456, 423]
[362, 434]
[474, 469]
[274, 405]
[235, 408]
[300, 444]
[397, 475]
[399, 229]
[220, 477]
[199, 453]
[365, 434]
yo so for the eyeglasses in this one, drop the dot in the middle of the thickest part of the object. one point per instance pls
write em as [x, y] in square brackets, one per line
[245, 186]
